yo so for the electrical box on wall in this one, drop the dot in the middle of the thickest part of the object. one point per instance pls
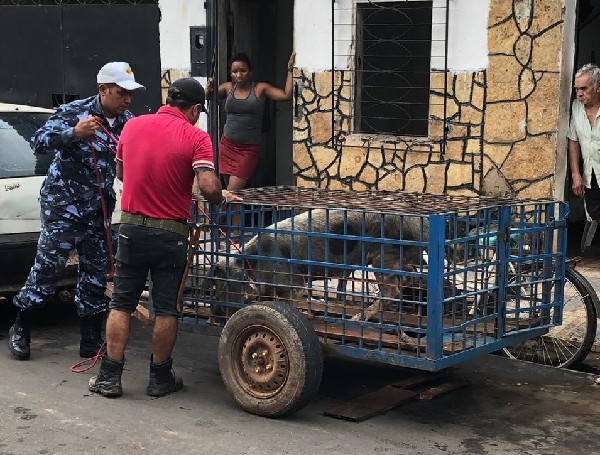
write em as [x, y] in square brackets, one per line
[198, 52]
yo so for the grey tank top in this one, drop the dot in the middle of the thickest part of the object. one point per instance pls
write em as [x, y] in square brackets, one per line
[244, 117]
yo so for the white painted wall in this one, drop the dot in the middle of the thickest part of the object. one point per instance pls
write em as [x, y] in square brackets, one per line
[313, 34]
[467, 40]
[177, 16]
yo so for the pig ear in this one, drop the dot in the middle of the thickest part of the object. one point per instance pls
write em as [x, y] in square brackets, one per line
[217, 271]
[211, 272]
[208, 282]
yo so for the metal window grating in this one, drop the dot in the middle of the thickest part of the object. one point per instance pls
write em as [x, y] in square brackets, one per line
[383, 56]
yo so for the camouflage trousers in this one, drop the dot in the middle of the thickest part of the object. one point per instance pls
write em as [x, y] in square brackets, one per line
[57, 238]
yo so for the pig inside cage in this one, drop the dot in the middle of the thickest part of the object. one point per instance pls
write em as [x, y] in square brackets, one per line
[410, 279]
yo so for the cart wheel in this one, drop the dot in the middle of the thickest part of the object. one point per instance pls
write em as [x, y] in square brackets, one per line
[270, 359]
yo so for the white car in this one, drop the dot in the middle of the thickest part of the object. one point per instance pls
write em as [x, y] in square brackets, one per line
[21, 176]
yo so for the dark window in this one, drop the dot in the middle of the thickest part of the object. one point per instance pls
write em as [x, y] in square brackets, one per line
[393, 67]
[16, 155]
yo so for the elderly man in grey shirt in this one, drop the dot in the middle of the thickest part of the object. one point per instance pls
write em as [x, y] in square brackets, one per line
[584, 138]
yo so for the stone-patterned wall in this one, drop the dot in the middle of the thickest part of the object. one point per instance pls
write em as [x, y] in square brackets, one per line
[327, 154]
[501, 122]
[525, 48]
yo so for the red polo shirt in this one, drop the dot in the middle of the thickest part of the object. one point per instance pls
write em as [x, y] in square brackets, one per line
[159, 153]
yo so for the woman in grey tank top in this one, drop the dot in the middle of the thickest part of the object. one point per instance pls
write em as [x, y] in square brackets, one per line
[240, 143]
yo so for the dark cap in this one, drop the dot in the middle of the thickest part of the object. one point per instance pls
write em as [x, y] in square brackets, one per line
[187, 89]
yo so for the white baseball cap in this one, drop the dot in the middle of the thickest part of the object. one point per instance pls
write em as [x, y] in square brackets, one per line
[119, 73]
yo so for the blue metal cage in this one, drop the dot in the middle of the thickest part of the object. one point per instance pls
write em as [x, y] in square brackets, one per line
[418, 280]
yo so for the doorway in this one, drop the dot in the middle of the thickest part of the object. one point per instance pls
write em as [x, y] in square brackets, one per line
[587, 50]
[263, 29]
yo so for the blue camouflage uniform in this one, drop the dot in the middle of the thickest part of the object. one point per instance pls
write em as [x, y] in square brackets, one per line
[71, 208]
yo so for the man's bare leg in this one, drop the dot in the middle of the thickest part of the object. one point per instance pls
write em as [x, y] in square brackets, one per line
[164, 336]
[117, 333]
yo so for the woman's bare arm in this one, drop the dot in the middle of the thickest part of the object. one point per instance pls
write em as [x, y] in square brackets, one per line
[277, 94]
[221, 92]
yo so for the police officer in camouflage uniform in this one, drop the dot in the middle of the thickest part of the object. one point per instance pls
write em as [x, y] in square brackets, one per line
[77, 200]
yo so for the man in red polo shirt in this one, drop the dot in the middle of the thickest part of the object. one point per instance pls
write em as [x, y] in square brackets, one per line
[157, 159]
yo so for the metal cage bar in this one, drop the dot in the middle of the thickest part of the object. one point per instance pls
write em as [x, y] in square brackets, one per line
[427, 282]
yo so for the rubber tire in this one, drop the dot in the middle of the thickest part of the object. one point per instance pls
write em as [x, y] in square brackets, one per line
[590, 301]
[303, 348]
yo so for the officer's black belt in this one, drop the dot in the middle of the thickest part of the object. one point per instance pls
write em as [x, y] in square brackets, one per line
[177, 226]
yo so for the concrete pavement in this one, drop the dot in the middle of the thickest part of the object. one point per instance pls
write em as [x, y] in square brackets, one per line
[509, 408]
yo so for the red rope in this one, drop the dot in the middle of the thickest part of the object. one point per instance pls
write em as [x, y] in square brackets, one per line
[105, 219]
[92, 361]
[108, 134]
[232, 243]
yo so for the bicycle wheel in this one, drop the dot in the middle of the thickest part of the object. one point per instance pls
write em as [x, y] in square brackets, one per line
[568, 344]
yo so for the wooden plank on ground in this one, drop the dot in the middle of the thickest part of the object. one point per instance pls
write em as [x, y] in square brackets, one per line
[418, 379]
[143, 315]
[416, 387]
[63, 283]
[372, 404]
[109, 290]
[443, 389]
[141, 312]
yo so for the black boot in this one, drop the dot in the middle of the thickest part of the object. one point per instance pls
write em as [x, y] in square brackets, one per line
[91, 335]
[108, 380]
[19, 336]
[162, 379]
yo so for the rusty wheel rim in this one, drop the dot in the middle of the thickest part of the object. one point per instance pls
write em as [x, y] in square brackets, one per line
[261, 362]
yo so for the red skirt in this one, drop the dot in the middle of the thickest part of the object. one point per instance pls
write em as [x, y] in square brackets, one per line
[236, 159]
